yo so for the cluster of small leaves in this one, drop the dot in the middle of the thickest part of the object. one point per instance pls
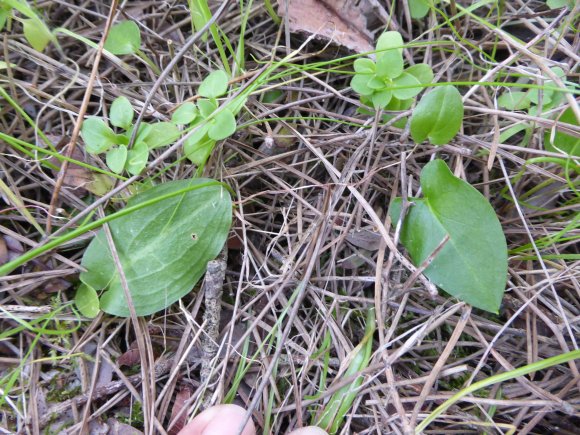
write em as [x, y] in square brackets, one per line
[540, 102]
[209, 123]
[387, 84]
[100, 138]
[35, 30]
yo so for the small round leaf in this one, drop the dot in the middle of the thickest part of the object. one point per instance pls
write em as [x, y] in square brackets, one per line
[161, 134]
[359, 84]
[364, 66]
[123, 38]
[137, 158]
[87, 301]
[438, 116]
[97, 135]
[406, 86]
[185, 114]
[224, 125]
[214, 85]
[382, 98]
[116, 158]
[122, 113]
[421, 72]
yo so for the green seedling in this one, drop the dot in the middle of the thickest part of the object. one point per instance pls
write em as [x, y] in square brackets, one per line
[334, 412]
[387, 84]
[163, 248]
[540, 102]
[100, 138]
[419, 8]
[210, 124]
[35, 30]
[454, 233]
[125, 38]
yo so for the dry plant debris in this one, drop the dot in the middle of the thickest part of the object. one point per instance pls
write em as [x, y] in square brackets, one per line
[312, 180]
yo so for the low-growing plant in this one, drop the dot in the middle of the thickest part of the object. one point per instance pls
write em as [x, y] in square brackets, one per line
[125, 38]
[386, 84]
[100, 138]
[35, 30]
[455, 234]
[212, 124]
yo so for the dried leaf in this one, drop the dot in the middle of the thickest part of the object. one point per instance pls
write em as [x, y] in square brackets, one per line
[341, 21]
[179, 418]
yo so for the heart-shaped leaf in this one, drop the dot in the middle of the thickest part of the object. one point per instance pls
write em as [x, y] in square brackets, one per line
[97, 135]
[163, 248]
[438, 116]
[214, 85]
[124, 38]
[472, 265]
[121, 113]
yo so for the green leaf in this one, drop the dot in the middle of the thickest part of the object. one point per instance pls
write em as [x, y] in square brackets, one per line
[116, 158]
[36, 33]
[97, 135]
[163, 248]
[185, 114]
[472, 265]
[382, 98]
[404, 81]
[563, 142]
[376, 83]
[214, 85]
[5, 12]
[137, 158]
[364, 66]
[438, 116]
[121, 113]
[359, 84]
[516, 100]
[390, 62]
[206, 107]
[418, 8]
[421, 72]
[223, 125]
[123, 38]
[87, 301]
[198, 151]
[161, 134]
[557, 4]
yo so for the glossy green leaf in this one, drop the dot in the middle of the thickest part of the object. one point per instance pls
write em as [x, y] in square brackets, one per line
[390, 61]
[472, 265]
[406, 86]
[161, 134]
[418, 8]
[121, 113]
[359, 84]
[163, 248]
[124, 38]
[364, 66]
[97, 135]
[137, 158]
[87, 301]
[206, 107]
[381, 99]
[438, 116]
[214, 85]
[515, 100]
[185, 114]
[561, 141]
[223, 125]
[421, 72]
[197, 150]
[36, 33]
[116, 158]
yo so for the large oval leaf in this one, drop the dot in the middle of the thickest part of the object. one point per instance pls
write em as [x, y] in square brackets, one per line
[163, 248]
[438, 116]
[472, 265]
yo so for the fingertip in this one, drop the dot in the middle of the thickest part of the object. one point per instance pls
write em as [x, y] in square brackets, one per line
[309, 430]
[219, 420]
